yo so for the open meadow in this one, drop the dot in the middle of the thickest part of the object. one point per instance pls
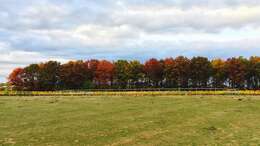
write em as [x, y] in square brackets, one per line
[130, 120]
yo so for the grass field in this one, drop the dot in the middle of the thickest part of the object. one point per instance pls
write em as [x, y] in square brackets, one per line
[115, 120]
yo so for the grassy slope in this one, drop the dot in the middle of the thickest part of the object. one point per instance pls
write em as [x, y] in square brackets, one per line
[183, 120]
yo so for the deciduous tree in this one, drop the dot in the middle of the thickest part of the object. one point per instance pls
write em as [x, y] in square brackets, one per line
[122, 73]
[31, 77]
[236, 69]
[15, 79]
[92, 67]
[253, 73]
[49, 75]
[219, 73]
[170, 75]
[182, 71]
[200, 71]
[104, 73]
[154, 71]
[73, 74]
[136, 73]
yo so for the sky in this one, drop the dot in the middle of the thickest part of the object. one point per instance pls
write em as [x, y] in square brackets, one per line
[33, 31]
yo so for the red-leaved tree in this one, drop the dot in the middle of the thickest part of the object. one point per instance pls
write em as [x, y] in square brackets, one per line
[15, 79]
[104, 73]
[154, 71]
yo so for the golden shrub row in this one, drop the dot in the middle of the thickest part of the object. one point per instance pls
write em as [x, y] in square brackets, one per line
[129, 93]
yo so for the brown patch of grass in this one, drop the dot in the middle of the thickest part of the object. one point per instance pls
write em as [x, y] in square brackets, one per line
[124, 141]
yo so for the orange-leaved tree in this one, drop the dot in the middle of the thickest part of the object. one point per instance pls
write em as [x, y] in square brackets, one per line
[15, 79]
[104, 73]
[154, 71]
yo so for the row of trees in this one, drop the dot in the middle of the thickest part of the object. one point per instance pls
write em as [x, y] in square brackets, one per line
[179, 72]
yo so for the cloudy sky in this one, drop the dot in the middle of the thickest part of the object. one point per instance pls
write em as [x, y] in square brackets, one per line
[38, 30]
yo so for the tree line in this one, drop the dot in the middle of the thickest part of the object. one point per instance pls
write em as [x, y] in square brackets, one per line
[179, 72]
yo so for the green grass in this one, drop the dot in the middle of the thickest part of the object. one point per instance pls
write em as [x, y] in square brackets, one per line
[172, 120]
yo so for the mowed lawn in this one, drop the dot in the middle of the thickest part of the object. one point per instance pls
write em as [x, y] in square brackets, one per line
[154, 121]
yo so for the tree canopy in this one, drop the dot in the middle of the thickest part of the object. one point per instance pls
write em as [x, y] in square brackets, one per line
[179, 72]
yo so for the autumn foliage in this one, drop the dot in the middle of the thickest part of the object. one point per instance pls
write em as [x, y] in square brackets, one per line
[154, 71]
[179, 72]
[104, 73]
[16, 78]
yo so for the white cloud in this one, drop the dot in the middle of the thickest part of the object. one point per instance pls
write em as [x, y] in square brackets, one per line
[11, 58]
[171, 18]
[186, 4]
